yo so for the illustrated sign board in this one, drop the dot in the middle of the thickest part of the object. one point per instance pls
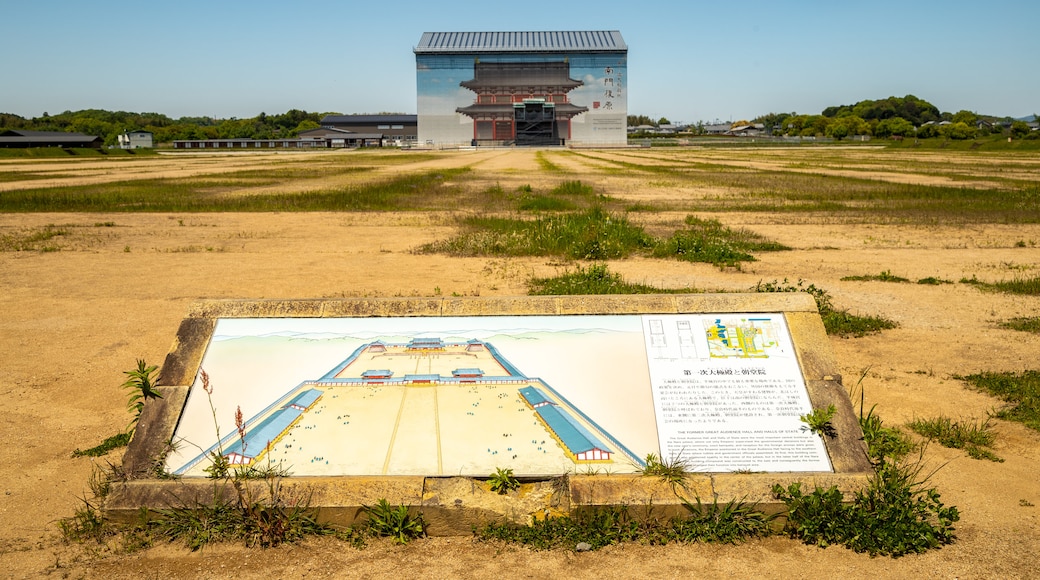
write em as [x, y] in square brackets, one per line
[464, 395]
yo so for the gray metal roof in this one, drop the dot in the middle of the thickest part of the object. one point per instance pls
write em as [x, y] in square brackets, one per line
[368, 119]
[543, 41]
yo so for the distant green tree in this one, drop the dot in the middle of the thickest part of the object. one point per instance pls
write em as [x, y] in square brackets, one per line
[896, 126]
[306, 125]
[911, 108]
[957, 131]
[846, 126]
[1019, 129]
[663, 121]
[966, 117]
[775, 123]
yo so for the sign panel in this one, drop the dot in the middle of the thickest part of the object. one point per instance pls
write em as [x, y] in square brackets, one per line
[465, 395]
[728, 393]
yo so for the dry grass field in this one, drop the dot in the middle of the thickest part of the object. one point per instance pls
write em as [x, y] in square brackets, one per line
[100, 259]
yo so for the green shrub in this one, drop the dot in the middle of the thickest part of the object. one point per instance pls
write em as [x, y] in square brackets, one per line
[893, 516]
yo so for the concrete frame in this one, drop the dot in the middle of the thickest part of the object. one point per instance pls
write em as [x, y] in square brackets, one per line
[452, 505]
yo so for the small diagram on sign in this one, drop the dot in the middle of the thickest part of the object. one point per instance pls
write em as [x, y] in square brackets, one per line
[742, 337]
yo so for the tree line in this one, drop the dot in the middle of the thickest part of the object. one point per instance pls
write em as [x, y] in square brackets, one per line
[110, 124]
[906, 116]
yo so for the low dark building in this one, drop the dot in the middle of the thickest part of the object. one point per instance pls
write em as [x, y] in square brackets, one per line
[19, 138]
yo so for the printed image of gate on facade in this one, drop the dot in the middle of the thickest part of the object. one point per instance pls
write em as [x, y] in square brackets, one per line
[522, 88]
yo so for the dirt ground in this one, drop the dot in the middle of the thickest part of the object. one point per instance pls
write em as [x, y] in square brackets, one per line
[72, 320]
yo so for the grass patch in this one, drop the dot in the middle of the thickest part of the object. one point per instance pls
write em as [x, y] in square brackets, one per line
[42, 239]
[1020, 392]
[596, 279]
[933, 281]
[415, 191]
[545, 164]
[595, 528]
[884, 276]
[596, 234]
[836, 322]
[1026, 286]
[528, 200]
[994, 199]
[589, 235]
[1023, 324]
[974, 437]
[114, 442]
[710, 242]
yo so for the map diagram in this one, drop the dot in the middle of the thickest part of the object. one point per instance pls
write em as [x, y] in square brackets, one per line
[741, 337]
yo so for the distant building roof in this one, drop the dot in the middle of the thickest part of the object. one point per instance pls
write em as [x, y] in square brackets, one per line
[543, 41]
[369, 119]
[20, 138]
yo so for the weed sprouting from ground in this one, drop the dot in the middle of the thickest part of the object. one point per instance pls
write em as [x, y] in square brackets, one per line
[502, 481]
[818, 421]
[974, 437]
[673, 470]
[837, 322]
[893, 515]
[883, 442]
[596, 234]
[385, 520]
[141, 384]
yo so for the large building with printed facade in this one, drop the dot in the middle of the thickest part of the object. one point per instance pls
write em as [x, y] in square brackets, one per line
[522, 88]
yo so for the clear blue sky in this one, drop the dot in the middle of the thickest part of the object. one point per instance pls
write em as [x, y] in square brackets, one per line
[688, 60]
